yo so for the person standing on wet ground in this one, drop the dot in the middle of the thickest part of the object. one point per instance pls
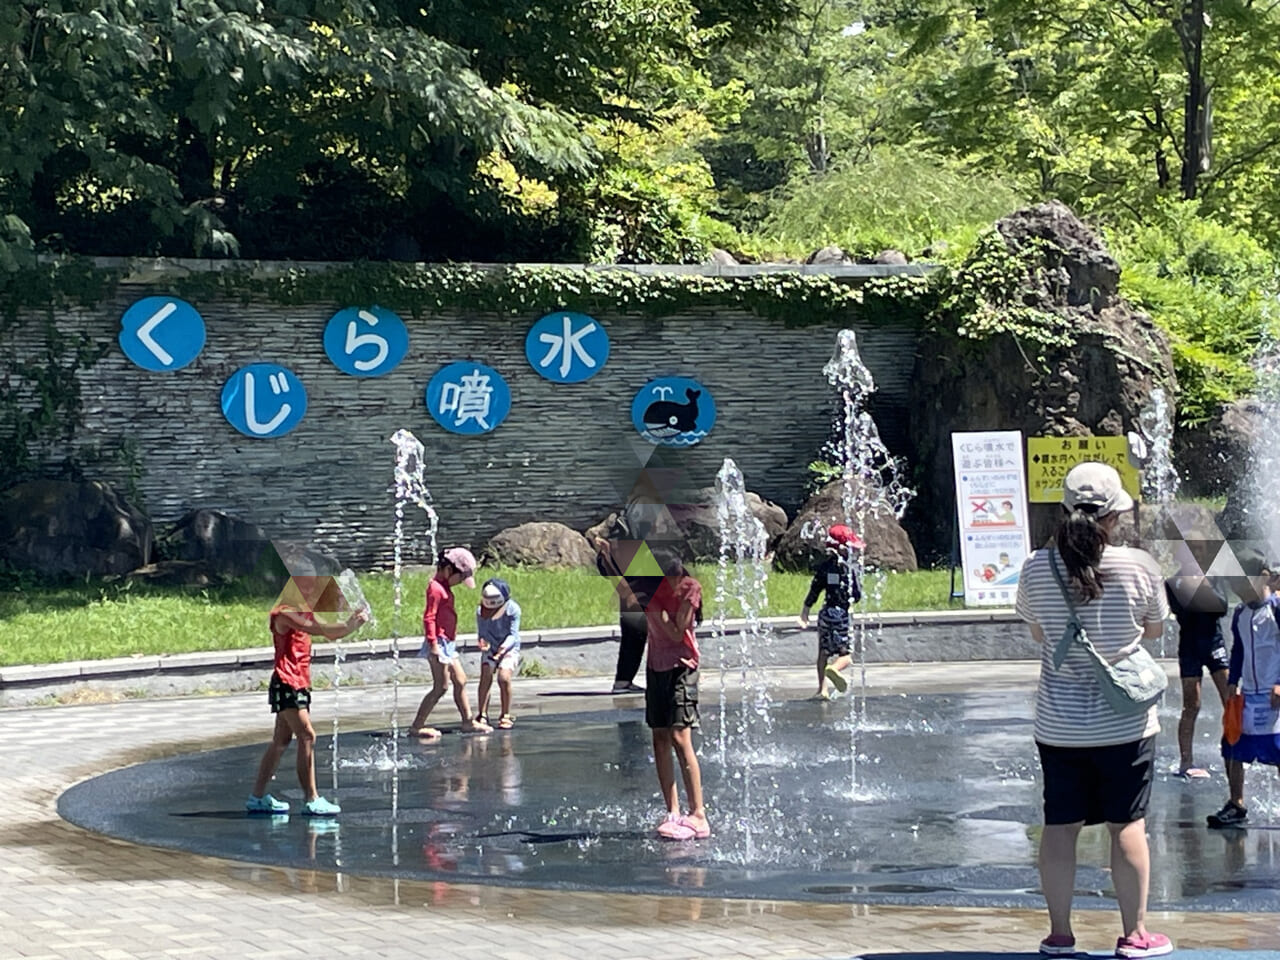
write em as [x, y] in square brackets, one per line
[1253, 691]
[498, 636]
[293, 623]
[1097, 763]
[671, 696]
[440, 643]
[1198, 605]
[613, 557]
[837, 581]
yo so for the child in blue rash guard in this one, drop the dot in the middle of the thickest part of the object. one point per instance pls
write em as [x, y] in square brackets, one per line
[498, 624]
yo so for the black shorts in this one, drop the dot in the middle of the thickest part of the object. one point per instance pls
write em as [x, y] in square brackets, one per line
[281, 696]
[1197, 654]
[1097, 784]
[833, 632]
[671, 697]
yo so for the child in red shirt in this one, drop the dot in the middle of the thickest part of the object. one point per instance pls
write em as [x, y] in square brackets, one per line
[293, 622]
[440, 643]
[671, 696]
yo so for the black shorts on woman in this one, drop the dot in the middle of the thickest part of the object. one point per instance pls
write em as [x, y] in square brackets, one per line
[1110, 784]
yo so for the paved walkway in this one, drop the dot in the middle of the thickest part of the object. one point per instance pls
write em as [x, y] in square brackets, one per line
[69, 894]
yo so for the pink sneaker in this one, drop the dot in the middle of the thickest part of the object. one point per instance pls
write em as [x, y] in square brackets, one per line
[1144, 945]
[1058, 945]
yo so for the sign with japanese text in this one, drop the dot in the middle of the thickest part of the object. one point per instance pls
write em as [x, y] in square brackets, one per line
[161, 333]
[264, 400]
[468, 398]
[991, 503]
[1049, 459]
[366, 342]
[567, 347]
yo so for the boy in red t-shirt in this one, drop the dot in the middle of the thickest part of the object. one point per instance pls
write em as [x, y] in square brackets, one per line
[293, 622]
[671, 696]
[440, 643]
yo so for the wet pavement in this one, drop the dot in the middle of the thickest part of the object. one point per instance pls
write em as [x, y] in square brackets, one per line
[69, 893]
[942, 808]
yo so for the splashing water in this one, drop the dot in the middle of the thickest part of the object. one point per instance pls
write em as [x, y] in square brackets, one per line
[410, 487]
[1262, 516]
[354, 600]
[1159, 480]
[742, 576]
[1159, 476]
[872, 485]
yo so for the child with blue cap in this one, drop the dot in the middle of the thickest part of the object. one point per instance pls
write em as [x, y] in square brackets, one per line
[498, 626]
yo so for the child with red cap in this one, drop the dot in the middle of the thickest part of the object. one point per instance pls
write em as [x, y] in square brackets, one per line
[440, 642]
[836, 578]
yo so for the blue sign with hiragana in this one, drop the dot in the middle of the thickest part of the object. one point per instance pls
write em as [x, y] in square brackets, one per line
[673, 411]
[366, 342]
[264, 400]
[161, 333]
[567, 347]
[468, 398]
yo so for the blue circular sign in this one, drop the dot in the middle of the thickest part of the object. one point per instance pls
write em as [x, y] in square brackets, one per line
[161, 333]
[673, 411]
[264, 400]
[366, 342]
[567, 347]
[468, 398]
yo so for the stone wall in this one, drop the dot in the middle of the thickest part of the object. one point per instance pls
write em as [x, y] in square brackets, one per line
[566, 452]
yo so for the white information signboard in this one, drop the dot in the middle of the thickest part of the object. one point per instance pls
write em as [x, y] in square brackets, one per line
[991, 499]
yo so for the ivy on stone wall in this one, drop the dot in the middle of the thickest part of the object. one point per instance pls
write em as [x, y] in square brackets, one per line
[792, 299]
[40, 398]
[987, 296]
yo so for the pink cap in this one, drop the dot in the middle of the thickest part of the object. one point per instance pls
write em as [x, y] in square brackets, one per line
[464, 562]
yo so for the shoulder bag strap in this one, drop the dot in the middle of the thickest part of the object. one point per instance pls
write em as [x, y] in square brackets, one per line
[1064, 642]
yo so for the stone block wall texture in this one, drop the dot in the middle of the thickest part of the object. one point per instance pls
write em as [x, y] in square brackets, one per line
[566, 452]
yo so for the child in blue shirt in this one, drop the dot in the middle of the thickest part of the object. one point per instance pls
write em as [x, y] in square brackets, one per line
[835, 577]
[1254, 674]
[498, 624]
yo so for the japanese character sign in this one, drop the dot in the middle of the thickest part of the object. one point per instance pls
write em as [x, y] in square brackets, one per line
[673, 411]
[992, 505]
[264, 400]
[366, 342]
[567, 347]
[468, 398]
[1049, 459]
[161, 333]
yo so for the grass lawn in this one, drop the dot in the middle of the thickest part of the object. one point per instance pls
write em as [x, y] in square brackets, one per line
[48, 624]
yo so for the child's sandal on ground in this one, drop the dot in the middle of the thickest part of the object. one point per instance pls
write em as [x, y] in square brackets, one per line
[506, 722]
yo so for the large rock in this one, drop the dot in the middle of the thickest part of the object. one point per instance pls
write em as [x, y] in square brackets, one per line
[1096, 386]
[540, 545]
[56, 527]
[802, 545]
[699, 523]
[829, 256]
[692, 527]
[220, 547]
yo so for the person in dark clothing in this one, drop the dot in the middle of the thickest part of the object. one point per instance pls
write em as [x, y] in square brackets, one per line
[613, 558]
[836, 578]
[1199, 606]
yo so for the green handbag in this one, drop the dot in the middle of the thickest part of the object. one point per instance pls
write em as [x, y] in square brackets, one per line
[1132, 684]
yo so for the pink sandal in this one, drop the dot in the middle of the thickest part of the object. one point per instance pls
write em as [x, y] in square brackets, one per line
[683, 828]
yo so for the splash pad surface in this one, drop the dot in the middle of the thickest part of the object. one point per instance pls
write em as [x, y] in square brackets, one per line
[945, 812]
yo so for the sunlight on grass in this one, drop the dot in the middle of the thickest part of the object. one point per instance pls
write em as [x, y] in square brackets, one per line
[49, 624]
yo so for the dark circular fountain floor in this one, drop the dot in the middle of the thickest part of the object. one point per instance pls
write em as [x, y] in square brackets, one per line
[946, 811]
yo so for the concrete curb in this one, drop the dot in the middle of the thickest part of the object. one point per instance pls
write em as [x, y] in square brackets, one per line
[76, 671]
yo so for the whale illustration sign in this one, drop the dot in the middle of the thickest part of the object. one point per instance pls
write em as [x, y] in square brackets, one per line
[673, 411]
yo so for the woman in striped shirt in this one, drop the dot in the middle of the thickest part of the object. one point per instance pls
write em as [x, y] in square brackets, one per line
[1097, 763]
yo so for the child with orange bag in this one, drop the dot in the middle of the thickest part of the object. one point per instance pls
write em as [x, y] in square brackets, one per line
[1251, 720]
